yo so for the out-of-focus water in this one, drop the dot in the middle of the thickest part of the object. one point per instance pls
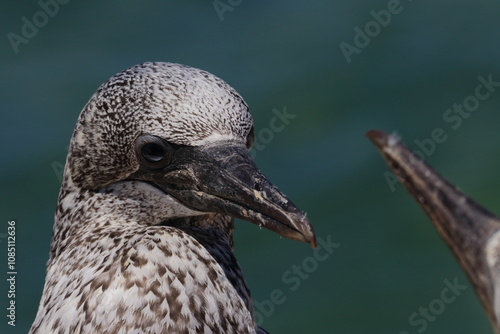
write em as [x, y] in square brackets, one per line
[389, 268]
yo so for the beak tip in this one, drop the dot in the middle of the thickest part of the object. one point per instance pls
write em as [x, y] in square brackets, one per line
[308, 234]
[313, 243]
[379, 138]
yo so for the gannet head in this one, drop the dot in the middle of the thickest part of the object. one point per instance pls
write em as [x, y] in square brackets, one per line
[179, 137]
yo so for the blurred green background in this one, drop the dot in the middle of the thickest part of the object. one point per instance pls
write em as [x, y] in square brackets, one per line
[278, 54]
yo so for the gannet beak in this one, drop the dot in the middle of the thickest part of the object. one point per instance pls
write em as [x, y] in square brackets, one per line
[222, 178]
[466, 227]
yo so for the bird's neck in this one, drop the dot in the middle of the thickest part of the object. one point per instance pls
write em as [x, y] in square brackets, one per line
[126, 204]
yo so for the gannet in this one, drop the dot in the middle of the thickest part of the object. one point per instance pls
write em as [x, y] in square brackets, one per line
[158, 167]
[469, 230]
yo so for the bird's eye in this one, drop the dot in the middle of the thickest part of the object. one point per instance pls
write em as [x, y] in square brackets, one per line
[153, 152]
[250, 139]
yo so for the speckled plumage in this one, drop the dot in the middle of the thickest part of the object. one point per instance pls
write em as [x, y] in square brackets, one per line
[126, 255]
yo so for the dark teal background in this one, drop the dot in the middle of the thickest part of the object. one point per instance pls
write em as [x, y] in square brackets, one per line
[390, 261]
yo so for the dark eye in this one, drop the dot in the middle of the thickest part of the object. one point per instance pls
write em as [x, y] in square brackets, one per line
[153, 152]
[250, 139]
